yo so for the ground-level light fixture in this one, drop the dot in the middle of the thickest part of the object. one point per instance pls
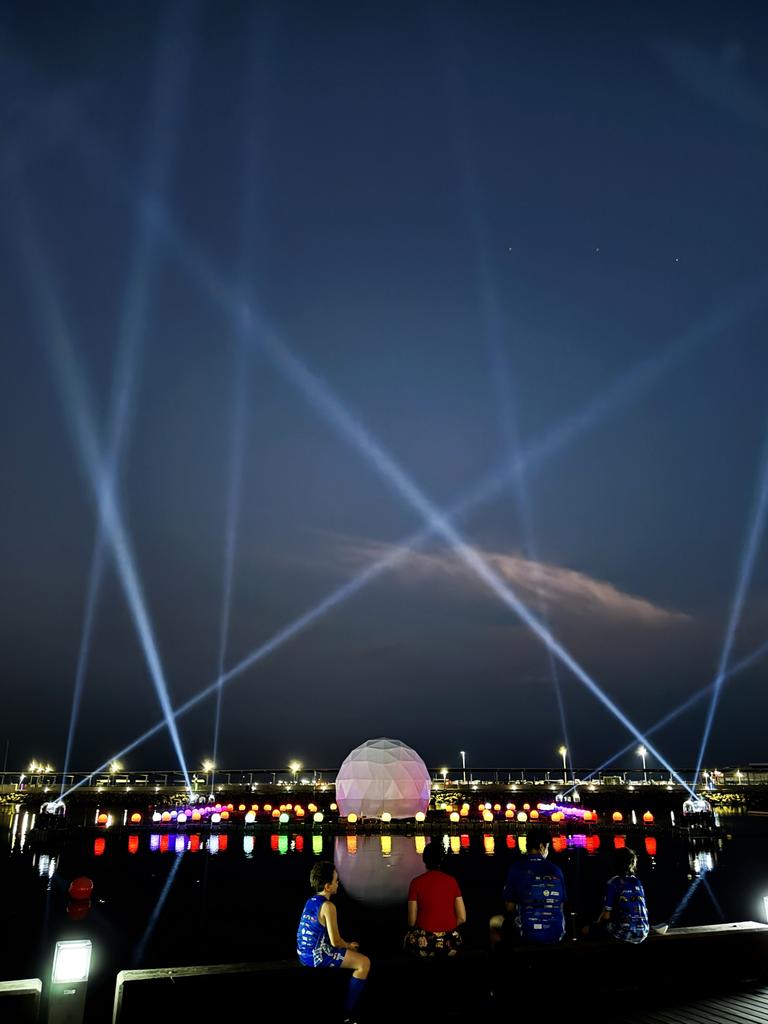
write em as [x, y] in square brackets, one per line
[69, 981]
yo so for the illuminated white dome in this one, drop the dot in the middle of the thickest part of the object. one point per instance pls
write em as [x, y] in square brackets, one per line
[383, 775]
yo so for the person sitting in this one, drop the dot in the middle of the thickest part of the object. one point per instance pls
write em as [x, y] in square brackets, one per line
[435, 909]
[318, 940]
[624, 912]
[534, 894]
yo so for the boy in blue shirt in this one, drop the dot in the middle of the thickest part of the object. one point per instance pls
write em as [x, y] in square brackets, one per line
[534, 894]
[624, 908]
[318, 940]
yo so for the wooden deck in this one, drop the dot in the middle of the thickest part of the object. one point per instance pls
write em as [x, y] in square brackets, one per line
[738, 1008]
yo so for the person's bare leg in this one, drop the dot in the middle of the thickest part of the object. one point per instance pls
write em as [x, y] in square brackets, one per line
[356, 962]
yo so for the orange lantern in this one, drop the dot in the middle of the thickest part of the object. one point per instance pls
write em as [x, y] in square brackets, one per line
[617, 816]
[647, 818]
[136, 819]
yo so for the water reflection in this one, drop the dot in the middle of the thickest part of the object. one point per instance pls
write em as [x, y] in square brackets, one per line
[368, 876]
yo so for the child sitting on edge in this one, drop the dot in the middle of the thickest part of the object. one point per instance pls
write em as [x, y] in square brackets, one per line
[318, 941]
[624, 909]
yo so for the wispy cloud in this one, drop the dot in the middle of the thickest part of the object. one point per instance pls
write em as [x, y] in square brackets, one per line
[564, 591]
[717, 79]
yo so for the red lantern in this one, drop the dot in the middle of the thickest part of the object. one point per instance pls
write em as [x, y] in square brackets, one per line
[81, 888]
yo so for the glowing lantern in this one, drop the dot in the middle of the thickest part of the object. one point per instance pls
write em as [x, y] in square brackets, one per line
[99, 846]
[464, 811]
[275, 813]
[487, 815]
[230, 807]
[300, 812]
[334, 807]
[133, 844]
[165, 816]
[195, 815]
[225, 815]
[267, 807]
[481, 807]
[497, 807]
[284, 818]
[386, 817]
[587, 815]
[311, 808]
[617, 816]
[534, 814]
[650, 846]
[81, 888]
[455, 817]
[135, 819]
[255, 807]
[647, 818]
[157, 816]
[289, 807]
[522, 816]
[526, 807]
[317, 817]
[102, 819]
[509, 814]
[619, 842]
[241, 807]
[250, 817]
[352, 818]
[420, 816]
[217, 808]
[182, 819]
[511, 807]
[215, 819]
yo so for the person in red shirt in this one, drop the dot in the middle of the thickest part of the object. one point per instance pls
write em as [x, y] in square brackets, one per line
[435, 909]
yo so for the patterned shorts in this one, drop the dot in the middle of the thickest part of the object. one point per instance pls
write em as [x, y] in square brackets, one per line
[419, 942]
[323, 955]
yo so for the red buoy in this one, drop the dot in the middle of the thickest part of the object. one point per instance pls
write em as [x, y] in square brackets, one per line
[81, 889]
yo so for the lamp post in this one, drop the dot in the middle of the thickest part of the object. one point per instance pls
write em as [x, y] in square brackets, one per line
[463, 765]
[295, 767]
[642, 752]
[444, 773]
[562, 751]
[69, 981]
[209, 768]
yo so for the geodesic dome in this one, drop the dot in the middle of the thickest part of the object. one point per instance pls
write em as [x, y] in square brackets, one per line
[383, 775]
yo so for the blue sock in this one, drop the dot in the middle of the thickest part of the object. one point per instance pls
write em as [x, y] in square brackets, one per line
[354, 992]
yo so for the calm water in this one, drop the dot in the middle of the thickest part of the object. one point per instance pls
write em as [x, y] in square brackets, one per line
[164, 899]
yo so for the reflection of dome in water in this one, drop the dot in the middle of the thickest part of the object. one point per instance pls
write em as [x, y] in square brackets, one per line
[373, 877]
[383, 775]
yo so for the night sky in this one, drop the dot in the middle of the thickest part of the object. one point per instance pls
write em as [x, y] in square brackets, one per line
[516, 242]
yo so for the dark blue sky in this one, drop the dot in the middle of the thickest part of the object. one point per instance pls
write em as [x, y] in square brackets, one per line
[488, 229]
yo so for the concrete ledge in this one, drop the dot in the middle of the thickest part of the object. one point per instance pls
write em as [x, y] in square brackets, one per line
[20, 1001]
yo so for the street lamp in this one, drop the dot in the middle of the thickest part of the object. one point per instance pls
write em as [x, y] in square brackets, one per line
[209, 768]
[444, 773]
[562, 751]
[642, 752]
[463, 765]
[295, 767]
